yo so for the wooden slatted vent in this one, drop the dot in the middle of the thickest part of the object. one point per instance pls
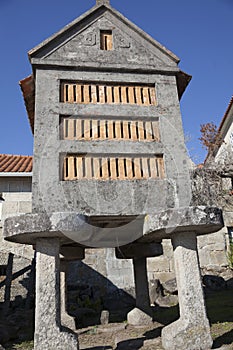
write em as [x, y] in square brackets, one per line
[81, 167]
[110, 94]
[94, 129]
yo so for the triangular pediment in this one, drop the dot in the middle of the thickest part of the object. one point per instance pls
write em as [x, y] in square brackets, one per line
[79, 44]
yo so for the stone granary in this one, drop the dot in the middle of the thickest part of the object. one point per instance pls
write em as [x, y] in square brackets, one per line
[110, 169]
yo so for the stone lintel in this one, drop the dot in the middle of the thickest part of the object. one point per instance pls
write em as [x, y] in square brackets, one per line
[139, 250]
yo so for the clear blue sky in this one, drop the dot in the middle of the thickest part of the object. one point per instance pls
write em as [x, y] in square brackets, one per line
[199, 32]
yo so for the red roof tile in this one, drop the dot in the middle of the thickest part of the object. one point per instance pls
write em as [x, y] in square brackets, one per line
[15, 164]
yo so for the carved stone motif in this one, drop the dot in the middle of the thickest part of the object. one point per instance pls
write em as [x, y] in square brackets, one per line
[88, 39]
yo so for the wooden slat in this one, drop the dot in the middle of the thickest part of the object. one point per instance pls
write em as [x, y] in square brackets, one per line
[161, 168]
[78, 129]
[141, 130]
[65, 175]
[109, 94]
[121, 168]
[155, 127]
[94, 129]
[131, 95]
[70, 135]
[71, 168]
[102, 130]
[110, 129]
[88, 167]
[79, 165]
[70, 93]
[105, 174]
[137, 168]
[113, 168]
[64, 88]
[109, 41]
[126, 130]
[78, 94]
[86, 94]
[152, 95]
[96, 166]
[101, 94]
[123, 95]
[93, 94]
[64, 128]
[138, 95]
[146, 100]
[87, 129]
[149, 132]
[129, 168]
[133, 131]
[118, 129]
[145, 168]
[153, 168]
[116, 94]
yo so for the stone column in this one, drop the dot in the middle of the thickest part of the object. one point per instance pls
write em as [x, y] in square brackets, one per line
[191, 331]
[141, 315]
[66, 319]
[48, 332]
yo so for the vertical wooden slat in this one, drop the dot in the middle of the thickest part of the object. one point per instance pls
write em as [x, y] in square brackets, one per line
[113, 168]
[64, 89]
[78, 94]
[96, 166]
[146, 101]
[126, 130]
[88, 167]
[71, 168]
[65, 177]
[93, 94]
[123, 95]
[78, 129]
[109, 94]
[87, 129]
[118, 129]
[109, 41]
[101, 94]
[138, 95]
[137, 168]
[116, 94]
[102, 130]
[161, 167]
[129, 168]
[79, 167]
[145, 168]
[105, 174]
[110, 129]
[155, 127]
[141, 130]
[70, 93]
[70, 135]
[133, 131]
[94, 129]
[149, 132]
[152, 95]
[153, 168]
[86, 94]
[121, 168]
[131, 95]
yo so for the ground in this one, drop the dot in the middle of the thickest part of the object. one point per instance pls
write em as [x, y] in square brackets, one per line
[120, 336]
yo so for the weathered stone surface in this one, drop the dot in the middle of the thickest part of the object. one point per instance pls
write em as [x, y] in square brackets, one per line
[170, 286]
[137, 317]
[66, 320]
[155, 290]
[167, 300]
[192, 330]
[104, 318]
[48, 331]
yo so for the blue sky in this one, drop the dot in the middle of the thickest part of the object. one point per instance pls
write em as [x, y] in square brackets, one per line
[199, 32]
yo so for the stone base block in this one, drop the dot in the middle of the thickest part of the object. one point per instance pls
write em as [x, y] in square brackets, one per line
[68, 321]
[181, 335]
[56, 339]
[137, 317]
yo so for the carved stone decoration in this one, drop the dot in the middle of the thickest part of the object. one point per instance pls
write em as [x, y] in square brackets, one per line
[88, 39]
[121, 41]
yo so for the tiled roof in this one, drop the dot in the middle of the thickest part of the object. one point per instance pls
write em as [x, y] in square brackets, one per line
[15, 164]
[28, 89]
